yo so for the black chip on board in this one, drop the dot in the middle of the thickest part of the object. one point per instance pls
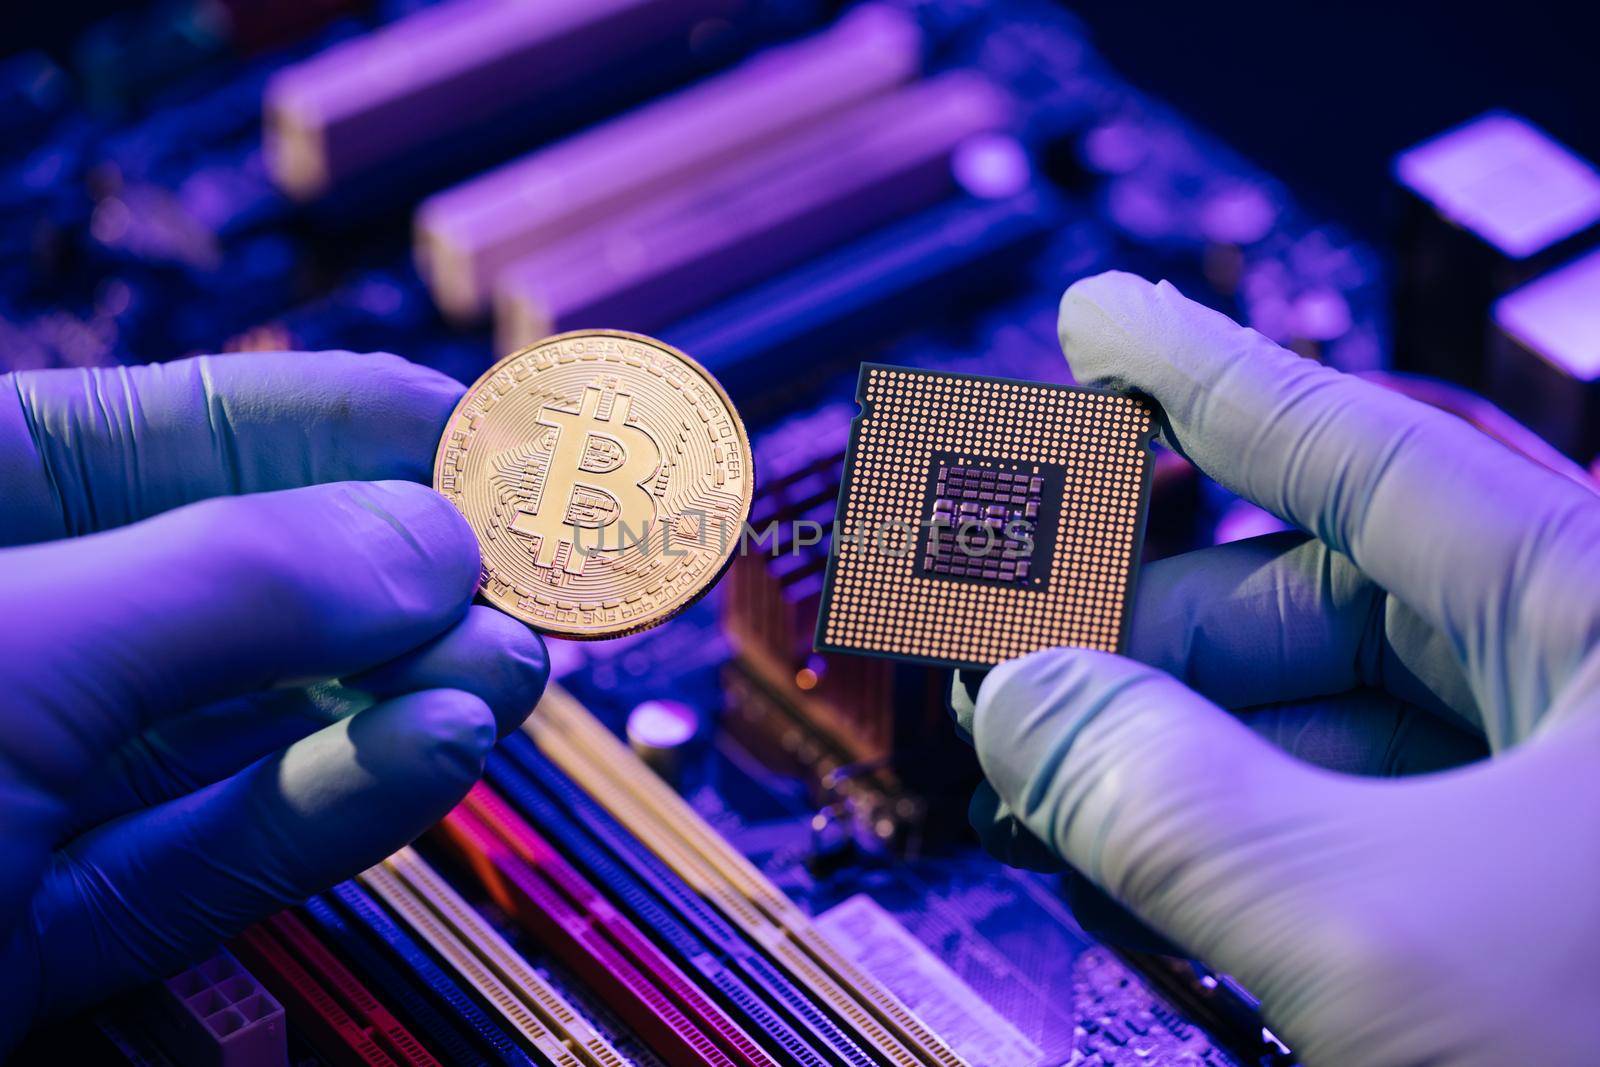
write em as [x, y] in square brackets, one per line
[990, 520]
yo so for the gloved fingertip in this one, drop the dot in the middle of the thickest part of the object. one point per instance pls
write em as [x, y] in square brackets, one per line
[454, 732]
[487, 653]
[1091, 304]
[1014, 688]
[408, 375]
[1095, 287]
[432, 742]
[1121, 332]
[522, 662]
[382, 378]
[168, 880]
[1018, 685]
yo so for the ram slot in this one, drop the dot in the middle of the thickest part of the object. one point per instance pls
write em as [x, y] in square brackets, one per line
[337, 978]
[643, 1001]
[533, 849]
[465, 235]
[416, 965]
[772, 938]
[696, 934]
[436, 1028]
[582, 747]
[461, 936]
[311, 1006]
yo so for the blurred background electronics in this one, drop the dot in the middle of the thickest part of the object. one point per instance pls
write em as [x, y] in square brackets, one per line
[784, 189]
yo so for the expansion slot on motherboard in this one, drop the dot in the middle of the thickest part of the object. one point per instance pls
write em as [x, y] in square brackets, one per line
[468, 234]
[491, 1037]
[368, 104]
[407, 993]
[877, 162]
[527, 879]
[485, 961]
[336, 1010]
[683, 922]
[586, 751]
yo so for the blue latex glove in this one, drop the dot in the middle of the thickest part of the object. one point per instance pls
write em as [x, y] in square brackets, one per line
[192, 546]
[1449, 596]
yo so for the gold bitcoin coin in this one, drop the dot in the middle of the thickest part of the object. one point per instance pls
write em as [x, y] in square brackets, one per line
[607, 476]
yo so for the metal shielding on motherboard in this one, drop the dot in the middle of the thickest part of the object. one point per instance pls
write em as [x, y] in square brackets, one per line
[460, 936]
[573, 739]
[981, 519]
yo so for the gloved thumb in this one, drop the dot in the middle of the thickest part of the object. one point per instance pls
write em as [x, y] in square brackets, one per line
[1158, 796]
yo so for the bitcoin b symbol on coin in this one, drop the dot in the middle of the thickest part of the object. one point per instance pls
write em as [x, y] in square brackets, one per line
[594, 479]
[597, 443]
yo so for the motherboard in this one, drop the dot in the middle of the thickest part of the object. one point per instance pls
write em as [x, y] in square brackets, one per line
[712, 844]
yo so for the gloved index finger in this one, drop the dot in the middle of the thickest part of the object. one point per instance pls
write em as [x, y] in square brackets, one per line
[86, 450]
[1500, 554]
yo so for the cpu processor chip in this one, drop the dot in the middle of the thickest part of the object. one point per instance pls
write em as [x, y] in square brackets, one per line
[980, 519]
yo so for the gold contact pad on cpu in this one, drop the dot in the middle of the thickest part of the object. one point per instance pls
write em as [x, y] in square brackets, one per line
[980, 519]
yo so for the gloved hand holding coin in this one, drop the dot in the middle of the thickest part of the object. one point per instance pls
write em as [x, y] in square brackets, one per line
[242, 655]
[194, 552]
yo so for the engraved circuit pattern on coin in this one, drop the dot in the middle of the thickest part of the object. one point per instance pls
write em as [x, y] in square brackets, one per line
[607, 476]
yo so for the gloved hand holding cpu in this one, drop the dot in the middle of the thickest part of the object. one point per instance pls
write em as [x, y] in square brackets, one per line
[1447, 598]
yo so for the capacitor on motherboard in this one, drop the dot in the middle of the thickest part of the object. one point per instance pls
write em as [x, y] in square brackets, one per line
[833, 841]
[1231, 217]
[1544, 360]
[661, 732]
[1115, 147]
[992, 166]
[1487, 206]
